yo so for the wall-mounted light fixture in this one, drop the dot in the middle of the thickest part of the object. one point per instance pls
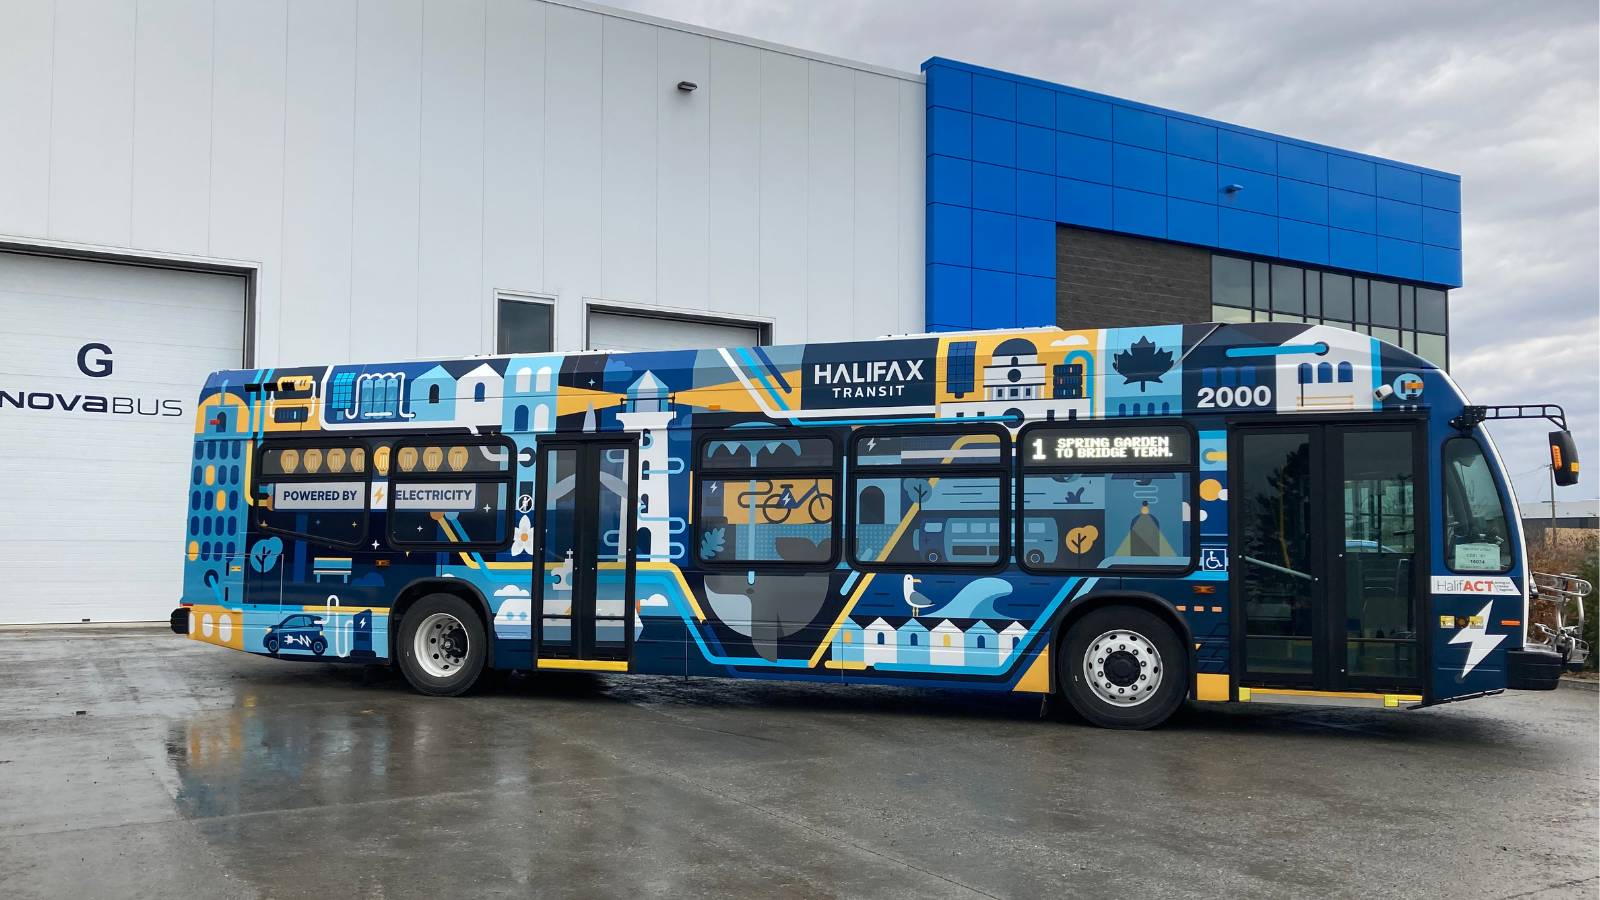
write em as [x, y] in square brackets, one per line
[687, 86]
[1233, 189]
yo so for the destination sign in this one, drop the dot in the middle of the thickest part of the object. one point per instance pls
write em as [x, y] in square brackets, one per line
[297, 495]
[1128, 447]
[436, 496]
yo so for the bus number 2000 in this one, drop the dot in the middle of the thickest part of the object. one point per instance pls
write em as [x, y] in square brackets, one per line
[1224, 397]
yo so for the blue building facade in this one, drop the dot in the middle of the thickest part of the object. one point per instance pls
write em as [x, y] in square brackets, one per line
[1012, 158]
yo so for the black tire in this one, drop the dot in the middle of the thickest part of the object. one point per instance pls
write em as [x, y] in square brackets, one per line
[271, 644]
[1133, 670]
[465, 676]
[318, 645]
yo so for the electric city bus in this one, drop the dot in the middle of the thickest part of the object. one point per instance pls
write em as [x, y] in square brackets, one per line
[1126, 517]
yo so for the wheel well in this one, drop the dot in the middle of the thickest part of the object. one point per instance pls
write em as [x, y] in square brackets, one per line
[418, 589]
[1148, 602]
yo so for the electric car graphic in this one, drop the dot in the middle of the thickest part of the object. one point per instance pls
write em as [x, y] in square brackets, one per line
[300, 632]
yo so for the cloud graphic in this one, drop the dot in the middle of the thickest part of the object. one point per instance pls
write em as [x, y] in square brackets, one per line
[511, 590]
[1071, 340]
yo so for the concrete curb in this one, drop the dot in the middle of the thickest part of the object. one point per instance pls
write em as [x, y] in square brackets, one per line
[1582, 684]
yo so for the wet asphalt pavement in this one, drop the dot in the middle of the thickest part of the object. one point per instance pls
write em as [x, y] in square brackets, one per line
[137, 764]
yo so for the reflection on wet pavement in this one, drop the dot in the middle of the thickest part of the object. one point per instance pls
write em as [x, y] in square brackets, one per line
[194, 771]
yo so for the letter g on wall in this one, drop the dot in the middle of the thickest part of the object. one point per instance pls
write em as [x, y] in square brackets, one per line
[98, 366]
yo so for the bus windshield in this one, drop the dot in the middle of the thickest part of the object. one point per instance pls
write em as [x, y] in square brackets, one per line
[1477, 533]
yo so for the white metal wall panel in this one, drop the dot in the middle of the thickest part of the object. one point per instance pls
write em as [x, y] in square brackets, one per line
[91, 122]
[617, 331]
[785, 111]
[513, 148]
[628, 142]
[451, 255]
[876, 236]
[830, 202]
[383, 250]
[27, 44]
[912, 211]
[94, 500]
[683, 155]
[573, 170]
[733, 102]
[172, 125]
[318, 181]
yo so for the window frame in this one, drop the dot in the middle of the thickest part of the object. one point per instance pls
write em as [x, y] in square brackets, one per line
[698, 473]
[1192, 468]
[1445, 476]
[507, 477]
[258, 469]
[510, 296]
[1001, 469]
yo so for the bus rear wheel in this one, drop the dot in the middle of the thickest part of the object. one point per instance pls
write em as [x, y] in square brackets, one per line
[1123, 667]
[442, 645]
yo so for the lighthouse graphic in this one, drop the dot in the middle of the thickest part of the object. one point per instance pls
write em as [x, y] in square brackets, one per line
[647, 410]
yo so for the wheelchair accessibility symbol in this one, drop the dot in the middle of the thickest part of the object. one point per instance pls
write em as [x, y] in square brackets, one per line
[1214, 560]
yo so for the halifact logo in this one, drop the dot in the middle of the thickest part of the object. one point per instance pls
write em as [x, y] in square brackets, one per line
[859, 374]
[95, 360]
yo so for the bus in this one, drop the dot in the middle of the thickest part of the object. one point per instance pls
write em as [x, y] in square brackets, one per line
[1127, 518]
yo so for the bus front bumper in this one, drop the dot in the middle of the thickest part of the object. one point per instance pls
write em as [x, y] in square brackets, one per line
[180, 621]
[1533, 670]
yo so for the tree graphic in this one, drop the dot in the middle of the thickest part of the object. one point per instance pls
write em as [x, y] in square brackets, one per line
[1142, 362]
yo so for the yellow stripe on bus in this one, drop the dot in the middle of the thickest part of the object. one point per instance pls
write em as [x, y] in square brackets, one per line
[585, 665]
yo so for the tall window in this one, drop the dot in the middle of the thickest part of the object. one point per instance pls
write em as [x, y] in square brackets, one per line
[928, 499]
[1477, 533]
[525, 325]
[766, 500]
[1410, 316]
[1106, 497]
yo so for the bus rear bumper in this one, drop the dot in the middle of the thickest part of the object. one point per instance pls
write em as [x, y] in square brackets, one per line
[1533, 670]
[180, 621]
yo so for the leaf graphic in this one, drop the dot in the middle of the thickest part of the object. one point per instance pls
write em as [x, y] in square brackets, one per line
[1142, 363]
[264, 555]
[712, 543]
[1080, 539]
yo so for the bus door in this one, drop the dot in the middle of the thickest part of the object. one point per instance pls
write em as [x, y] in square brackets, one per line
[583, 582]
[1325, 556]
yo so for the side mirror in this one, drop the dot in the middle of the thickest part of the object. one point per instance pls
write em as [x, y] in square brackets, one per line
[1564, 458]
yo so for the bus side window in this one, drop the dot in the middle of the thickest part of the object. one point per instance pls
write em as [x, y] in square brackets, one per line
[766, 501]
[451, 494]
[929, 498]
[317, 491]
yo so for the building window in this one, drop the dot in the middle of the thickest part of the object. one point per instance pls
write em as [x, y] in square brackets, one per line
[524, 325]
[929, 498]
[1406, 315]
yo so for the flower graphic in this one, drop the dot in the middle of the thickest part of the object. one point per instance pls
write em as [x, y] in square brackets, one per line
[522, 538]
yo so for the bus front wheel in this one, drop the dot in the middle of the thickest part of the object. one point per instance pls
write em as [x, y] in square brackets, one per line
[442, 645]
[1123, 667]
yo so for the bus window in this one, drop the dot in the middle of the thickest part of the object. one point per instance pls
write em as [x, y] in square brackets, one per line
[314, 491]
[1476, 537]
[929, 499]
[1106, 497]
[450, 494]
[766, 501]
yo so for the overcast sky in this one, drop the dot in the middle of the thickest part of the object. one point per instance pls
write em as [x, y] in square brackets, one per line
[1503, 94]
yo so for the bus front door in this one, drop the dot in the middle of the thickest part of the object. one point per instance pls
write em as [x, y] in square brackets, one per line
[584, 578]
[1325, 561]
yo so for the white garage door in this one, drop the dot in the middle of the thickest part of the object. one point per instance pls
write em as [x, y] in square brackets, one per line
[100, 367]
[620, 331]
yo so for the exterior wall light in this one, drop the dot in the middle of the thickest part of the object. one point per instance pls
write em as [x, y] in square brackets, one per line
[1230, 189]
[687, 86]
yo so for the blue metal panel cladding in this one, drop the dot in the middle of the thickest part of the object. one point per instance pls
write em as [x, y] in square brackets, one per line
[1010, 157]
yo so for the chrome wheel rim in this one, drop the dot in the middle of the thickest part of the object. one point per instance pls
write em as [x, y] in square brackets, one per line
[441, 645]
[1123, 668]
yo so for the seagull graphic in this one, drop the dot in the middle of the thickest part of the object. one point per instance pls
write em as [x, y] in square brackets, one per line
[914, 599]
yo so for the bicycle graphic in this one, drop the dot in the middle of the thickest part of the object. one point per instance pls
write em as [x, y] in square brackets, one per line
[777, 508]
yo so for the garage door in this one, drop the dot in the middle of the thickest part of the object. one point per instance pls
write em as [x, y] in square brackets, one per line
[623, 331]
[100, 367]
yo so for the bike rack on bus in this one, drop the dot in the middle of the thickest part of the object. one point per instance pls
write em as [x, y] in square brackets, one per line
[1563, 639]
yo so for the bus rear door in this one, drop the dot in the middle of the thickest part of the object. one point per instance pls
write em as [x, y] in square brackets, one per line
[1325, 557]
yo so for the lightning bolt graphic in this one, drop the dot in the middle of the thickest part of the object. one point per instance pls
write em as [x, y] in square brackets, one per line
[872, 443]
[1478, 639]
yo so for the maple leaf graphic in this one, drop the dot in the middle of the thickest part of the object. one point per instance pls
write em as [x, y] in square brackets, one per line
[1142, 362]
